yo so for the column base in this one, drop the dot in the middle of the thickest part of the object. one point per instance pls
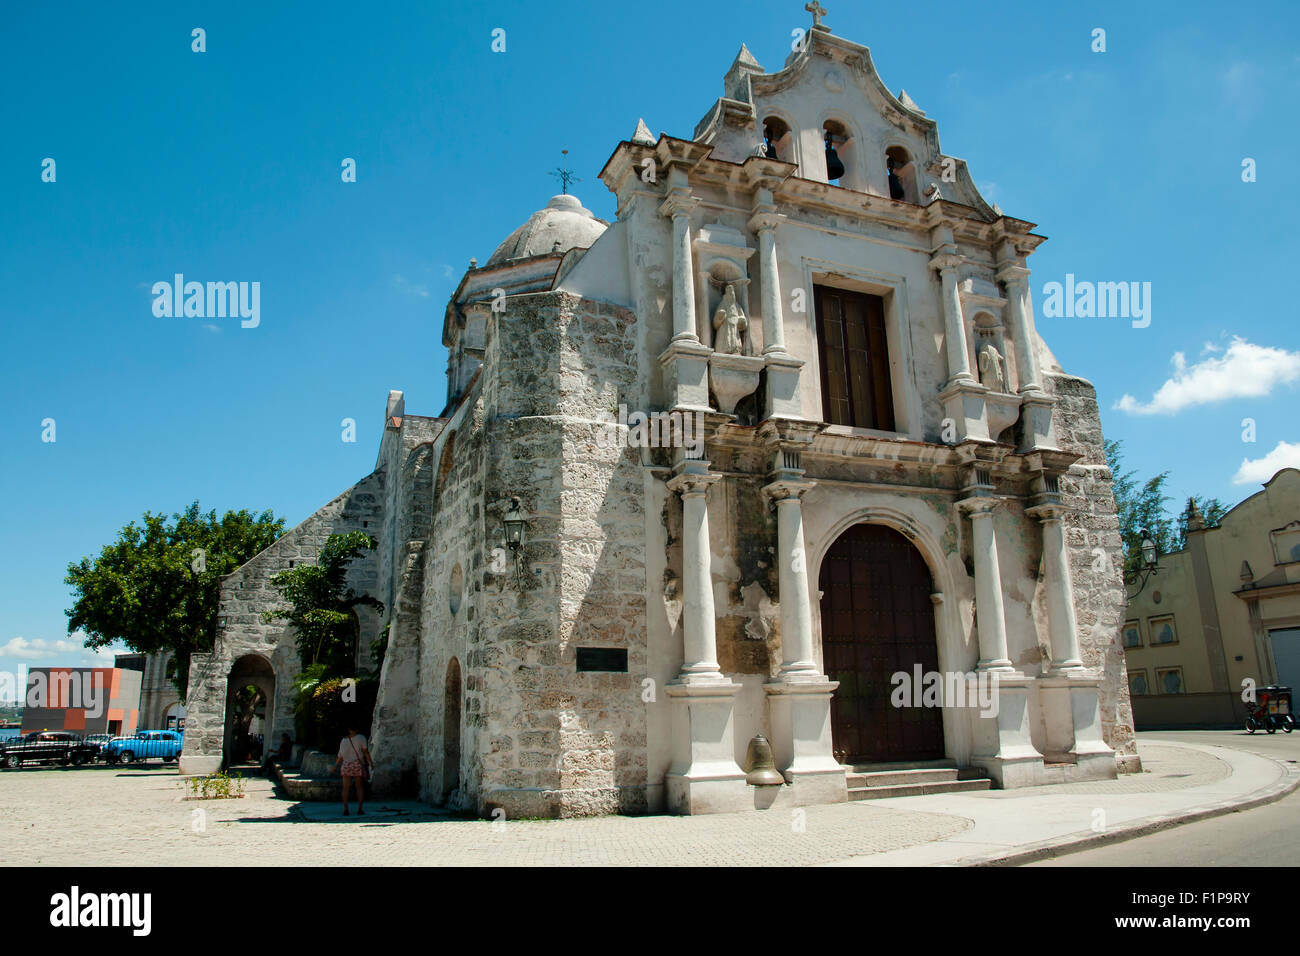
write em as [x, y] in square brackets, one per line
[1003, 747]
[782, 386]
[686, 373]
[800, 712]
[704, 776]
[1038, 433]
[196, 764]
[1071, 712]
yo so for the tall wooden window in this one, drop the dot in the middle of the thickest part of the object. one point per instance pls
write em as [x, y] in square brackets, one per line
[854, 359]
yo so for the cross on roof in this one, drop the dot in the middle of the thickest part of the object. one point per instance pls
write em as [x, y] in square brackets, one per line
[817, 10]
[565, 176]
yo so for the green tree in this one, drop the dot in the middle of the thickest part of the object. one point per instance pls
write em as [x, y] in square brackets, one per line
[321, 607]
[1139, 505]
[1211, 509]
[157, 587]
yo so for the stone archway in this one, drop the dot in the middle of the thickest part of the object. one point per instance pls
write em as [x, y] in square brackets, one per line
[251, 670]
[451, 731]
[877, 620]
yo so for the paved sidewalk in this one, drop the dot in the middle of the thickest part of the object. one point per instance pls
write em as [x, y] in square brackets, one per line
[102, 816]
[1181, 782]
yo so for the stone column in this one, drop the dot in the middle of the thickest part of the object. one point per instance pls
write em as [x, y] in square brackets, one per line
[797, 661]
[703, 776]
[988, 585]
[1063, 633]
[1016, 279]
[679, 206]
[773, 324]
[799, 698]
[700, 649]
[953, 321]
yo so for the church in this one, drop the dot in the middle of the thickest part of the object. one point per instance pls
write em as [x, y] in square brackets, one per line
[775, 448]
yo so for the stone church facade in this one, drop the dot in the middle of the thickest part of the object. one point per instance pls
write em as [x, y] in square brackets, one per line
[776, 445]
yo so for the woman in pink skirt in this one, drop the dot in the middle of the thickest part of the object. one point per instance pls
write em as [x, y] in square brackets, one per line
[356, 763]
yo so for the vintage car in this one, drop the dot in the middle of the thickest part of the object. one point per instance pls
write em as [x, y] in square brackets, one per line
[165, 744]
[48, 746]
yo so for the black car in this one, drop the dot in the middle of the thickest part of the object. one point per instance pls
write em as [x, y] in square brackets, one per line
[48, 746]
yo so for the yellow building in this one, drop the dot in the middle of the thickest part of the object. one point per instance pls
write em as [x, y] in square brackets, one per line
[1223, 611]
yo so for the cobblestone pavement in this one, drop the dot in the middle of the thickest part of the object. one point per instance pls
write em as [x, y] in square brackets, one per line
[109, 816]
[80, 817]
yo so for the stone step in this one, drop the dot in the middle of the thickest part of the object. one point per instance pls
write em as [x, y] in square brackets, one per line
[918, 789]
[891, 778]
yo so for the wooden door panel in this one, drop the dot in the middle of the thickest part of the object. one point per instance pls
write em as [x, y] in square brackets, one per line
[877, 620]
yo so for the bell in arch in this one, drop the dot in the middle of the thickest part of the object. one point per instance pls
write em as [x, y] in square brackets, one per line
[834, 168]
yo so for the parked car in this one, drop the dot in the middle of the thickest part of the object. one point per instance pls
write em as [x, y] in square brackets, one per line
[99, 740]
[144, 746]
[49, 746]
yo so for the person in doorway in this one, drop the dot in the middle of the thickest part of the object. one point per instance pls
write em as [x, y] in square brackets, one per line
[282, 755]
[355, 760]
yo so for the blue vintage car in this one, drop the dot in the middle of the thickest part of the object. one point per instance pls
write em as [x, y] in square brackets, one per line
[143, 746]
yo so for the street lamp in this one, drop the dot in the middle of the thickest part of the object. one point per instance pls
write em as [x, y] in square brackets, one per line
[1148, 567]
[514, 522]
[513, 525]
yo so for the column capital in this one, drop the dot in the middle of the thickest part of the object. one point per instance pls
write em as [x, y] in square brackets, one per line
[1012, 275]
[1048, 511]
[764, 219]
[943, 261]
[678, 204]
[784, 489]
[692, 482]
[979, 506]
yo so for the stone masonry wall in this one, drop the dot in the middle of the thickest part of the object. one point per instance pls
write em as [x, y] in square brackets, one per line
[558, 742]
[245, 594]
[394, 743]
[450, 615]
[1096, 558]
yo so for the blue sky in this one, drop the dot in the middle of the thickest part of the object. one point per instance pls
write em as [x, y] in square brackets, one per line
[225, 165]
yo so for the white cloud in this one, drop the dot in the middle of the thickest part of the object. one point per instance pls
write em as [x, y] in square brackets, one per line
[403, 284]
[36, 648]
[1243, 371]
[1260, 470]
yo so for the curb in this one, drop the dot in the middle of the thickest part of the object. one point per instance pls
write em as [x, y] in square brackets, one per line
[1088, 840]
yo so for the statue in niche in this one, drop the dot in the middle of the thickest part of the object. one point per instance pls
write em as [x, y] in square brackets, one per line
[992, 368]
[730, 325]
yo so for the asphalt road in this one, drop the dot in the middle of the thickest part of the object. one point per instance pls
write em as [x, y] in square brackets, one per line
[1267, 835]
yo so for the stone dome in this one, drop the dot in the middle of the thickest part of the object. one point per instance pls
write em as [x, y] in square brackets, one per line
[562, 225]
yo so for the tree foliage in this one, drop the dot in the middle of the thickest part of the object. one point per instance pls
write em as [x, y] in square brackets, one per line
[1143, 505]
[321, 607]
[151, 591]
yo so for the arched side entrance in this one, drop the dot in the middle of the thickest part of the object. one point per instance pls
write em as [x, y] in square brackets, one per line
[250, 700]
[877, 619]
[451, 731]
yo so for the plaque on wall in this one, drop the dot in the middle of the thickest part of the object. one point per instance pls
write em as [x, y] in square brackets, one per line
[611, 659]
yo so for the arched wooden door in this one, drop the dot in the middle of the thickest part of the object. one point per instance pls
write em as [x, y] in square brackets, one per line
[878, 620]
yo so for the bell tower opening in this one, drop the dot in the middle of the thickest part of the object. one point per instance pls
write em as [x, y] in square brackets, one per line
[902, 174]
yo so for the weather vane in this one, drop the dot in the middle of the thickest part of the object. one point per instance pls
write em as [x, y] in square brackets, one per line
[565, 176]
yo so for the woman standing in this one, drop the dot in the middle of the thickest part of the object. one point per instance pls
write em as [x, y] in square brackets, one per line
[356, 763]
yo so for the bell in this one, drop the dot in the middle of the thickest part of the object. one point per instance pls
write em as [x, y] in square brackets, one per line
[834, 168]
[760, 765]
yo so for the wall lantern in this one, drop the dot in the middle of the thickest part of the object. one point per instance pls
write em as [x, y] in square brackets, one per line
[514, 523]
[513, 526]
[1149, 565]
